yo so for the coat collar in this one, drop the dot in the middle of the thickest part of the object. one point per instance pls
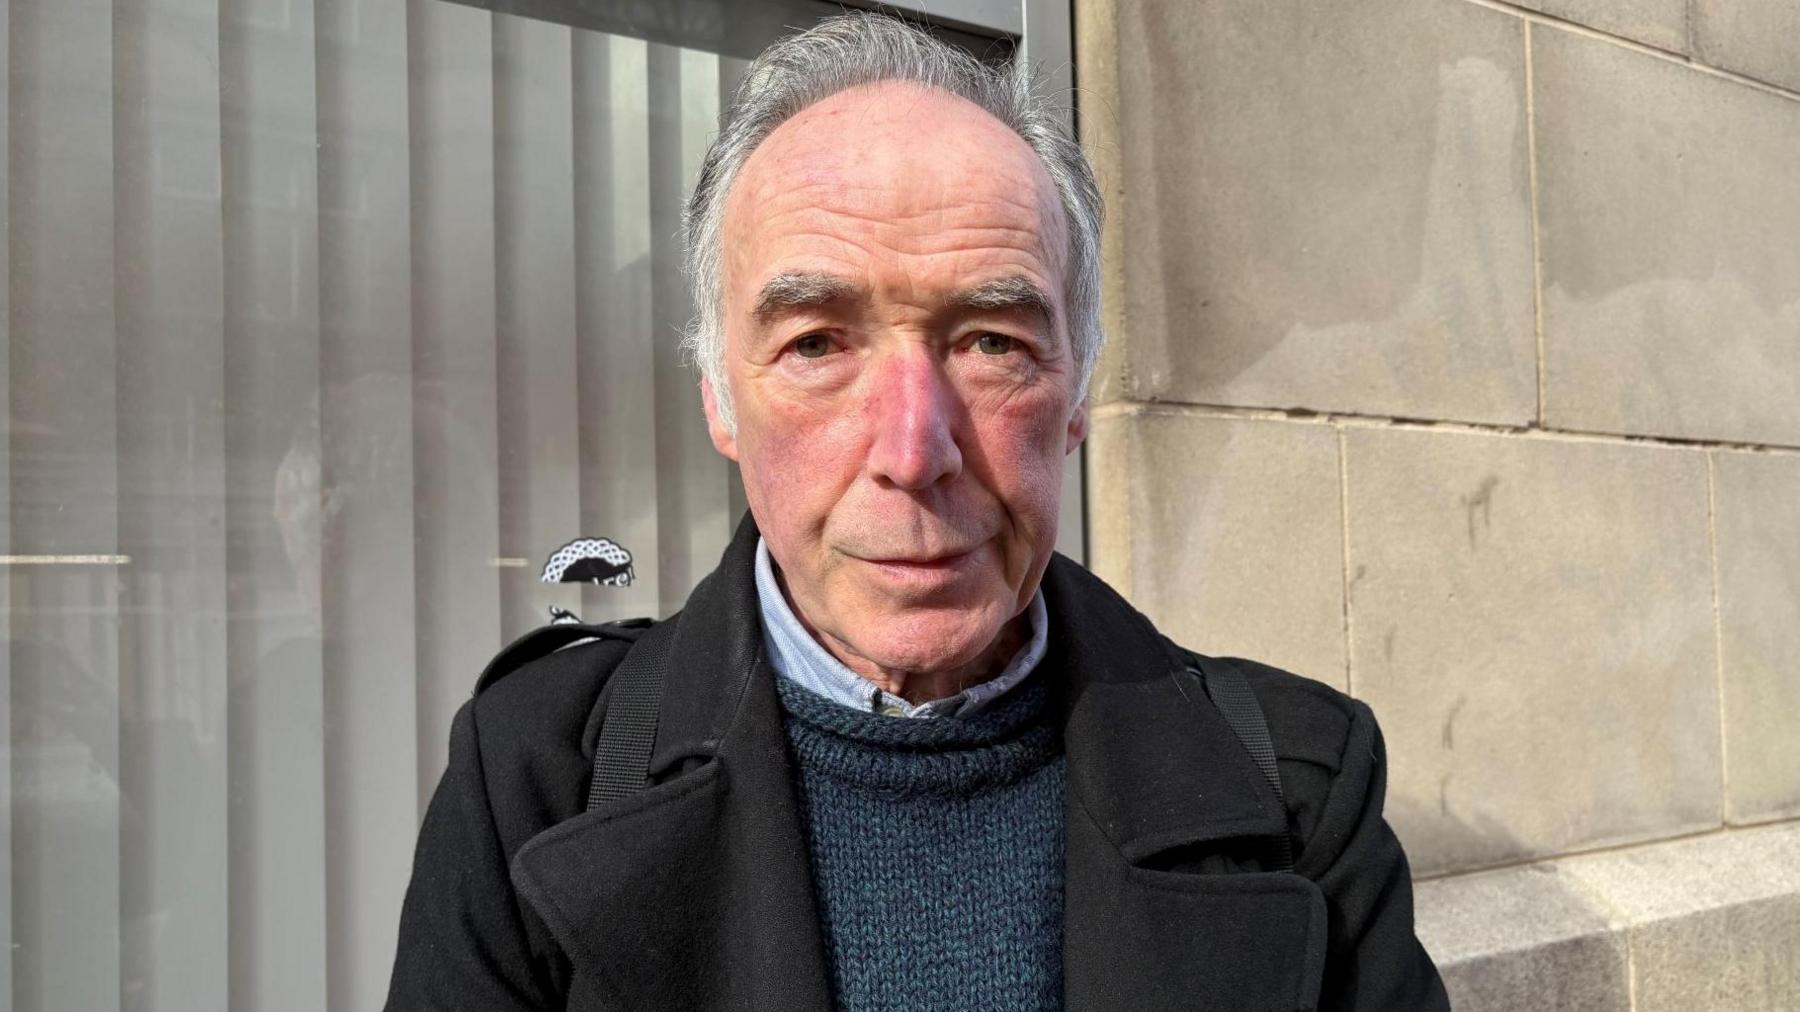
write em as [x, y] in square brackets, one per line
[696, 892]
[1150, 759]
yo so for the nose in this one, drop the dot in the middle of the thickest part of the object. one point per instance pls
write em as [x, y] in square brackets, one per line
[913, 414]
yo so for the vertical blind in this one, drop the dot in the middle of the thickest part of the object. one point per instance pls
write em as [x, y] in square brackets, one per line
[326, 322]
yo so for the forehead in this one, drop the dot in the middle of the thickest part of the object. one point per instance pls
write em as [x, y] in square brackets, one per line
[894, 169]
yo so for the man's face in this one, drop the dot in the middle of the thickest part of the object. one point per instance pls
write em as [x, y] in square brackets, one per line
[898, 357]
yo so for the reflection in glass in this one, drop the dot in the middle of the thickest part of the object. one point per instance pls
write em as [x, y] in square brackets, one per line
[327, 321]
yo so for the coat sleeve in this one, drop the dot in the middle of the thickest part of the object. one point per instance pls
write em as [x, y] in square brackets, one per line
[1374, 961]
[463, 942]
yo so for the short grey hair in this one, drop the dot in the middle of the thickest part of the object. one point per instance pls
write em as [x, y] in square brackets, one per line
[847, 51]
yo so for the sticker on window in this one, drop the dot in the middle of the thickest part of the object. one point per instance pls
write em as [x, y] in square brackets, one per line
[600, 561]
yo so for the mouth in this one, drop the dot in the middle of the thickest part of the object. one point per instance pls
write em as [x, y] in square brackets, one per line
[936, 562]
[922, 566]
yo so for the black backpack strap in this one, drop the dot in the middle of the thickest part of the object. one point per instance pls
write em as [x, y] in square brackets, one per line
[1231, 696]
[546, 640]
[628, 732]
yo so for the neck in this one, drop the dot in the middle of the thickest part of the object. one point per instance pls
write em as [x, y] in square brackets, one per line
[923, 686]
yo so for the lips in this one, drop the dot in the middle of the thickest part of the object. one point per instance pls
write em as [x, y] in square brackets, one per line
[923, 572]
[932, 562]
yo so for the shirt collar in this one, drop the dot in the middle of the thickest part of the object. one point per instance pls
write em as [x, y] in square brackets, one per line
[796, 656]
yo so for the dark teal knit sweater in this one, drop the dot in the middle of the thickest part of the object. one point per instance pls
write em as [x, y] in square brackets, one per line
[937, 851]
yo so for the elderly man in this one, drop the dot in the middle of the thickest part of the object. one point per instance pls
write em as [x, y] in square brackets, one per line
[895, 753]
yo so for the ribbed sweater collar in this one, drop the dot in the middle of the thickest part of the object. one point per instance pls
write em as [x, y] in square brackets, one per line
[958, 756]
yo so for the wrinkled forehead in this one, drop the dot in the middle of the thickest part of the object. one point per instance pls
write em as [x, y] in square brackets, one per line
[902, 159]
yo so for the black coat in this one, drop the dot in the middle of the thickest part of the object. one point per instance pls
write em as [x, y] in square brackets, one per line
[695, 892]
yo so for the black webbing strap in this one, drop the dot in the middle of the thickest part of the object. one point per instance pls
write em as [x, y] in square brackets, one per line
[1232, 697]
[544, 641]
[622, 755]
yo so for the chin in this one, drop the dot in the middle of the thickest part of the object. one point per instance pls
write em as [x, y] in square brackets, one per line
[935, 641]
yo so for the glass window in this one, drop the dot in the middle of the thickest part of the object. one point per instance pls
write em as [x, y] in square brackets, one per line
[328, 322]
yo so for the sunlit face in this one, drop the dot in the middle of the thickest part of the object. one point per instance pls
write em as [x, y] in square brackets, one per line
[899, 363]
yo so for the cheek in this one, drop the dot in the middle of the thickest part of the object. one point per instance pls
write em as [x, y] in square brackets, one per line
[795, 464]
[1021, 443]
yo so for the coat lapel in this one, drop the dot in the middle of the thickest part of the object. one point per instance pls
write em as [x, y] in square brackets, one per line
[1163, 801]
[695, 892]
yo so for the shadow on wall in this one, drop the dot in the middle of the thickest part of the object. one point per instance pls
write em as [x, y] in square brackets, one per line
[1385, 269]
[1747, 347]
[1514, 938]
[1450, 321]
[1439, 829]
[1522, 938]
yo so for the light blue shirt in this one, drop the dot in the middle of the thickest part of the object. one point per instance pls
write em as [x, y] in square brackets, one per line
[796, 656]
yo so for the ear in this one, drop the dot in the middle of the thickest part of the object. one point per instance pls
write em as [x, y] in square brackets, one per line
[722, 437]
[1078, 427]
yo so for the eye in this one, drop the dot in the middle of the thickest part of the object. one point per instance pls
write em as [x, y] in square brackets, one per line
[994, 344]
[812, 346]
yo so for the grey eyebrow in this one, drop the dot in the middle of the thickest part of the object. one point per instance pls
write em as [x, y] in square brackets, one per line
[801, 290]
[1010, 294]
[808, 289]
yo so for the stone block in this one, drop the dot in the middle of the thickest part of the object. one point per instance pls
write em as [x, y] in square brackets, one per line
[1521, 938]
[1755, 38]
[1531, 620]
[1757, 523]
[1709, 922]
[1712, 922]
[1668, 206]
[1317, 205]
[1097, 121]
[1228, 533]
[1658, 23]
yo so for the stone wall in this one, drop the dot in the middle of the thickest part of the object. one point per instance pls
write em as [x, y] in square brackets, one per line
[1456, 362]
